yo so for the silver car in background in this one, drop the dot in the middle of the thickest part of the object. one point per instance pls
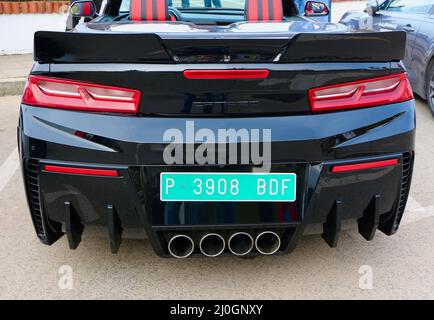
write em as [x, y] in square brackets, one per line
[416, 18]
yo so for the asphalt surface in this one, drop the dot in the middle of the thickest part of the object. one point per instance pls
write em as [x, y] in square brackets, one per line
[401, 266]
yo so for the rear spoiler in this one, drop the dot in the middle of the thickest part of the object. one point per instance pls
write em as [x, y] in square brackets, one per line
[72, 47]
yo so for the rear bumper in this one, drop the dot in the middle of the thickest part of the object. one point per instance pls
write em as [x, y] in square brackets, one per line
[308, 145]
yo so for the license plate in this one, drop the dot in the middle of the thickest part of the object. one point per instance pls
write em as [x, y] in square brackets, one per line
[228, 187]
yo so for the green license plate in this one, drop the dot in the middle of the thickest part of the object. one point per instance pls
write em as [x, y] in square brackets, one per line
[262, 187]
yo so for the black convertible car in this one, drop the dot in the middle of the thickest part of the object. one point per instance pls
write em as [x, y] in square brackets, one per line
[216, 130]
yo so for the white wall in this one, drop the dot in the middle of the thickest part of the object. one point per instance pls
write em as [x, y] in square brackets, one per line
[339, 8]
[16, 30]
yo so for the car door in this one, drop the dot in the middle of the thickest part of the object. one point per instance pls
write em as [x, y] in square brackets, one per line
[422, 53]
[404, 15]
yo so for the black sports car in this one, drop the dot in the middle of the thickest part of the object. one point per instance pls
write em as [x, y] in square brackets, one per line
[216, 131]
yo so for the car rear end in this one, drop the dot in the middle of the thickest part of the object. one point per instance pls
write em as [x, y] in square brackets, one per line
[94, 122]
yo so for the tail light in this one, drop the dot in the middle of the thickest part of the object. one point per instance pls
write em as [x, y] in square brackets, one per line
[68, 94]
[227, 74]
[364, 93]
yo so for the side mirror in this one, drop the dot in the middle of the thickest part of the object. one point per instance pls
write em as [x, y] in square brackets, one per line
[372, 7]
[315, 9]
[80, 9]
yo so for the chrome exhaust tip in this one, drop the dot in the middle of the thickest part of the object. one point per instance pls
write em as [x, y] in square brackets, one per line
[180, 246]
[212, 245]
[267, 242]
[240, 243]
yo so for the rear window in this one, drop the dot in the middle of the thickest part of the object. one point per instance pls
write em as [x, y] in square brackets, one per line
[199, 4]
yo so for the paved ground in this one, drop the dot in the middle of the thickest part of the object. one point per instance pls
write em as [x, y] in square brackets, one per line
[14, 70]
[401, 265]
[15, 66]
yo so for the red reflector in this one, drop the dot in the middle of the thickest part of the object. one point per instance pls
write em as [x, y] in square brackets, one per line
[365, 165]
[364, 93]
[68, 94]
[227, 74]
[83, 171]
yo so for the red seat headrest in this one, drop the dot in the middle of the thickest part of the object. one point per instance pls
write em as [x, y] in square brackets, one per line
[263, 10]
[149, 10]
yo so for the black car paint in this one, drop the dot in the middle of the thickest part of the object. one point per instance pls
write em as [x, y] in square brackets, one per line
[303, 142]
[218, 46]
[284, 92]
[342, 137]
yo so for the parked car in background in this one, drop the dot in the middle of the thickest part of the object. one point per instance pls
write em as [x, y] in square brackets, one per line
[416, 18]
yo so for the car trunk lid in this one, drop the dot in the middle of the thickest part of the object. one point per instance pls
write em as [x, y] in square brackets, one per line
[155, 64]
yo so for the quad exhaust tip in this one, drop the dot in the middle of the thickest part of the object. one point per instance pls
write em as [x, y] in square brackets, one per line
[240, 243]
[267, 242]
[181, 246]
[212, 245]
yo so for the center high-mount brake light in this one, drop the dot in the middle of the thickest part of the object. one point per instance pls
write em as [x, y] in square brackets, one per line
[364, 93]
[69, 94]
[227, 74]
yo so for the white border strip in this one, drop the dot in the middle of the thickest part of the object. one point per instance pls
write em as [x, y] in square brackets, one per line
[415, 212]
[8, 168]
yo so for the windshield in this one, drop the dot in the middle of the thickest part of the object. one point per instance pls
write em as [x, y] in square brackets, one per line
[200, 4]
